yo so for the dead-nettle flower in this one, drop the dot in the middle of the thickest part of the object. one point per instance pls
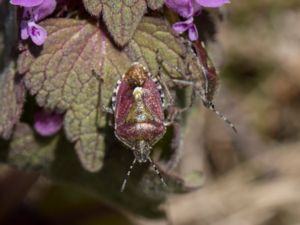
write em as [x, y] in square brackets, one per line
[188, 9]
[34, 11]
[47, 123]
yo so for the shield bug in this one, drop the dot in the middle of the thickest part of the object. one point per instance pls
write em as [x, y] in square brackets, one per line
[209, 81]
[138, 103]
[205, 81]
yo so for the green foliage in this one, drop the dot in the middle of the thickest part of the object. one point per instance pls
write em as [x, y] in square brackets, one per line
[62, 78]
[62, 75]
[94, 7]
[79, 62]
[154, 35]
[121, 16]
[11, 100]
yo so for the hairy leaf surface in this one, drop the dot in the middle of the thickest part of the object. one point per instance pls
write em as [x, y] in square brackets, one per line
[11, 100]
[94, 7]
[64, 76]
[121, 16]
[152, 38]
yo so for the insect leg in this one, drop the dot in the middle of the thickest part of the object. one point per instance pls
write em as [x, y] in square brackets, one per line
[176, 147]
[170, 101]
[104, 108]
[157, 172]
[164, 64]
[100, 107]
[212, 108]
[127, 175]
[206, 103]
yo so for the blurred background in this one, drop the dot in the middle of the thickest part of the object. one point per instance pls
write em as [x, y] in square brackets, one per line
[249, 178]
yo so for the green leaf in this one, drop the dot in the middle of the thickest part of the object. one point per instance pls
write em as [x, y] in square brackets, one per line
[28, 152]
[61, 74]
[62, 78]
[11, 100]
[155, 4]
[80, 126]
[155, 35]
[94, 7]
[122, 18]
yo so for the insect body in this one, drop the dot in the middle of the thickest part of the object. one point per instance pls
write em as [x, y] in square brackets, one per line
[205, 82]
[210, 83]
[138, 105]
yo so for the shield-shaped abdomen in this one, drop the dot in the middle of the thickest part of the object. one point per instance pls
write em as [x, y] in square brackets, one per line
[138, 113]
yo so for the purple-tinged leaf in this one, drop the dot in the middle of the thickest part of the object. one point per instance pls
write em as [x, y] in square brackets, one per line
[93, 7]
[62, 78]
[156, 36]
[122, 18]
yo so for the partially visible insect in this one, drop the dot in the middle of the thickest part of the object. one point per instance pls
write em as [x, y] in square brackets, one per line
[138, 103]
[204, 83]
[210, 83]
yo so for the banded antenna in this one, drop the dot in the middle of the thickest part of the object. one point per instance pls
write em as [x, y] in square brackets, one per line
[128, 175]
[157, 172]
[205, 67]
[211, 106]
[208, 104]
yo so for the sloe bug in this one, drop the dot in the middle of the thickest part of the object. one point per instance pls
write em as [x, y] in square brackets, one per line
[138, 103]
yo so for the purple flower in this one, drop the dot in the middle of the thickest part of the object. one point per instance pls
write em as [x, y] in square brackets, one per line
[26, 3]
[188, 9]
[34, 11]
[212, 3]
[187, 25]
[47, 123]
[185, 8]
